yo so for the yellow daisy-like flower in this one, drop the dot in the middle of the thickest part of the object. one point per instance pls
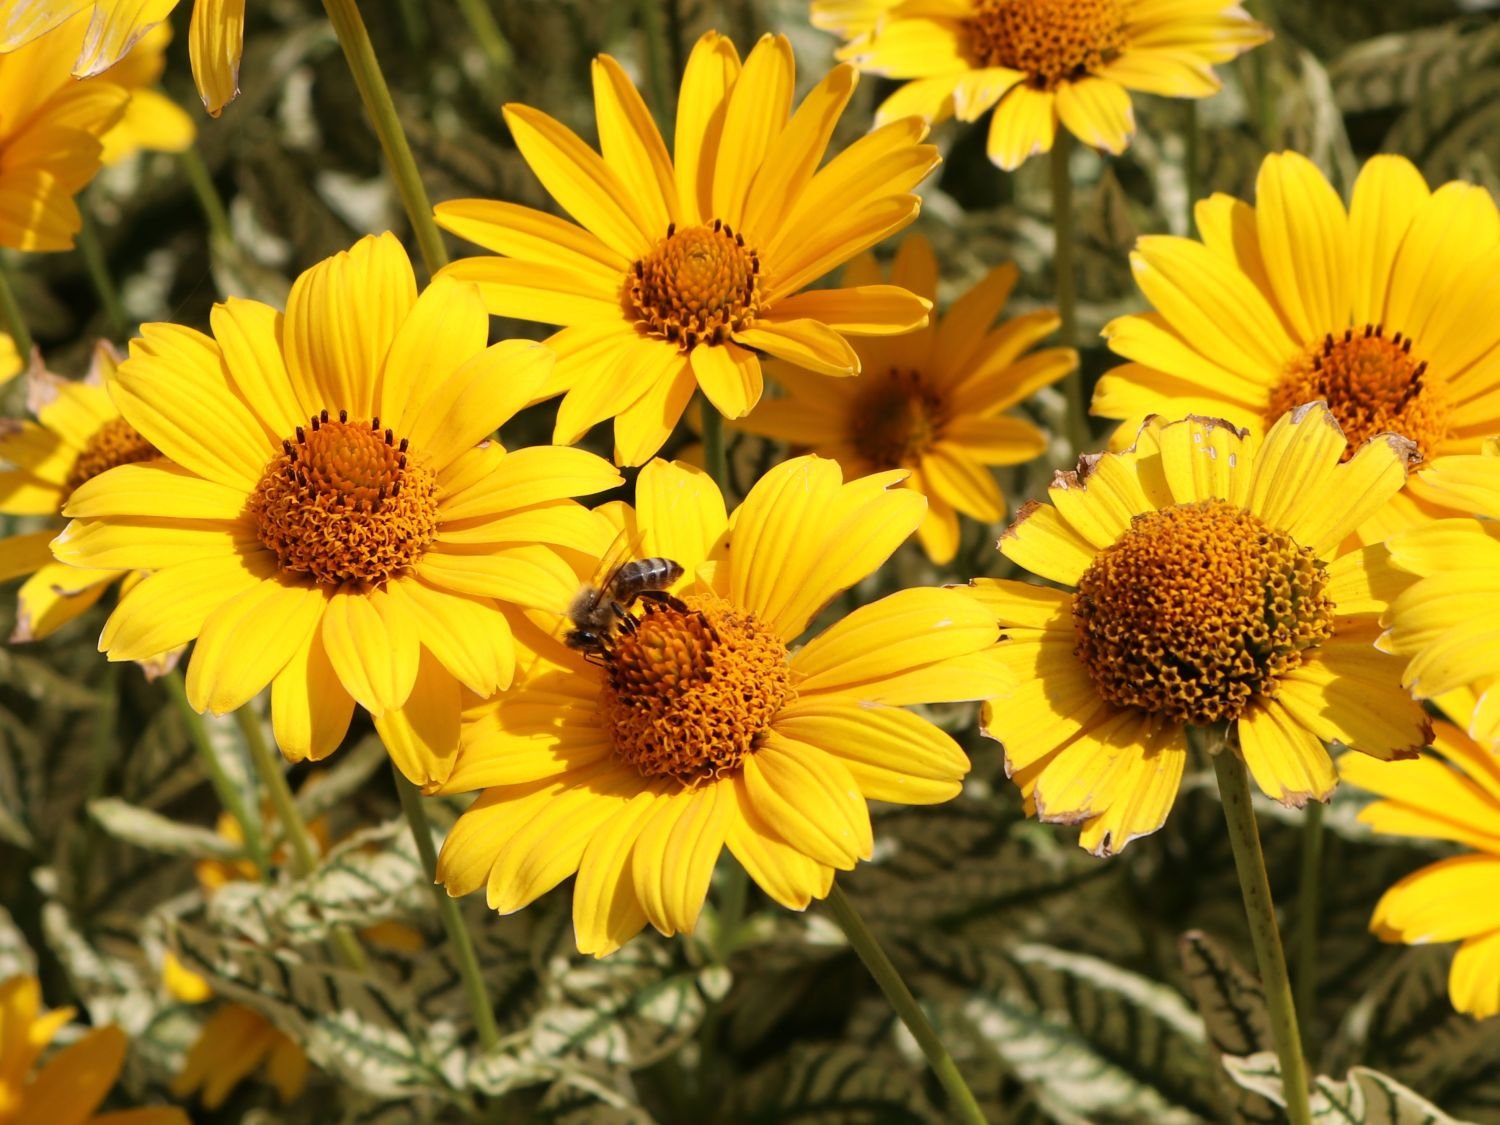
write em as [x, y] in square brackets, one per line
[684, 267]
[1451, 794]
[1447, 620]
[152, 120]
[1039, 62]
[932, 401]
[696, 726]
[1206, 584]
[215, 36]
[327, 524]
[68, 1089]
[77, 435]
[1386, 311]
[50, 130]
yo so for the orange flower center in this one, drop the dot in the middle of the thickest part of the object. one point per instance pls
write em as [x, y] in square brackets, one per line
[699, 285]
[345, 502]
[1198, 610]
[1051, 41]
[114, 443]
[1372, 385]
[689, 688]
[897, 418]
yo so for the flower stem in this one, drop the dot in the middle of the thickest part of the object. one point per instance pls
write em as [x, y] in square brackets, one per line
[453, 919]
[654, 28]
[304, 853]
[10, 315]
[714, 459]
[1260, 911]
[229, 795]
[1066, 281]
[1309, 900]
[359, 52]
[202, 183]
[1191, 135]
[98, 269]
[965, 1106]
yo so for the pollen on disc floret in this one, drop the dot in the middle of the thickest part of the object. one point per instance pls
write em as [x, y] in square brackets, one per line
[698, 285]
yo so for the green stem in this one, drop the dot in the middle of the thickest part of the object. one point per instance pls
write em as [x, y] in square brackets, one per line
[98, 269]
[229, 795]
[453, 919]
[1265, 95]
[1260, 912]
[1190, 176]
[359, 52]
[1309, 902]
[655, 32]
[965, 1107]
[486, 30]
[268, 765]
[10, 315]
[413, 24]
[714, 459]
[1066, 280]
[202, 183]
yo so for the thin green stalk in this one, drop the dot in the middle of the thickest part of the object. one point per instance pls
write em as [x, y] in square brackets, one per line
[453, 920]
[98, 268]
[229, 795]
[486, 30]
[1067, 292]
[10, 315]
[1265, 95]
[714, 459]
[359, 52]
[414, 24]
[965, 1107]
[304, 854]
[1309, 906]
[654, 29]
[202, 183]
[1260, 912]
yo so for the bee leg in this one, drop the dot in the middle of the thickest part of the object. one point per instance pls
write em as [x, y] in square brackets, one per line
[661, 597]
[624, 618]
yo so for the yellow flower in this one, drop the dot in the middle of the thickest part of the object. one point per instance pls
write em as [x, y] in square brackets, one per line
[328, 525]
[1039, 61]
[931, 401]
[1208, 586]
[1447, 620]
[684, 267]
[215, 37]
[698, 727]
[152, 120]
[1451, 794]
[1386, 312]
[74, 1081]
[10, 359]
[50, 130]
[78, 434]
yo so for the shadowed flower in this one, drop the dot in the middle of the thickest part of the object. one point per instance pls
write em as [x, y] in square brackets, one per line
[1387, 312]
[1039, 62]
[50, 138]
[77, 435]
[1207, 585]
[1452, 793]
[683, 267]
[68, 1089]
[152, 120]
[697, 726]
[932, 401]
[327, 524]
[215, 36]
[1447, 620]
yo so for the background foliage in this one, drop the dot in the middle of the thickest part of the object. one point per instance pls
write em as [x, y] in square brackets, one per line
[1071, 990]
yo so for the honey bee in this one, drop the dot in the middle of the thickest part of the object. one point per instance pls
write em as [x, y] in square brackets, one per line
[597, 612]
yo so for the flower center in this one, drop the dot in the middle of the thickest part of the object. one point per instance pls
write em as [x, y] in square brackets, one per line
[1371, 384]
[691, 687]
[1050, 41]
[897, 419]
[697, 286]
[345, 503]
[114, 443]
[1198, 610]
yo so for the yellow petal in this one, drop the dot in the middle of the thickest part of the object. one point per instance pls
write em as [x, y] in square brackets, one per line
[1097, 111]
[607, 911]
[77, 1078]
[675, 852]
[216, 38]
[247, 640]
[711, 72]
[1387, 196]
[1444, 901]
[1288, 761]
[421, 735]
[682, 511]
[755, 112]
[783, 871]
[1024, 124]
[373, 645]
[807, 343]
[167, 609]
[892, 754]
[810, 799]
[1304, 235]
[632, 147]
[310, 710]
[1474, 979]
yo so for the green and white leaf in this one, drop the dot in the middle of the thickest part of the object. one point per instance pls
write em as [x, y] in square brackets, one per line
[1365, 1097]
[16, 958]
[1233, 1007]
[157, 833]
